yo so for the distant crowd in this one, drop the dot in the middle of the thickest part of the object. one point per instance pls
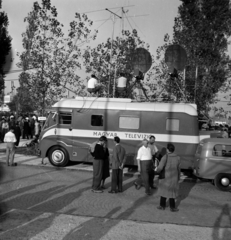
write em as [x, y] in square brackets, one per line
[225, 129]
[25, 127]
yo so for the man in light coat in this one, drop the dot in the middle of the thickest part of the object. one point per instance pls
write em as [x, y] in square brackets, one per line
[145, 166]
[10, 139]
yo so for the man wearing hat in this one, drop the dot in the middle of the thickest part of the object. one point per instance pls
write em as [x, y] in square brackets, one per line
[12, 122]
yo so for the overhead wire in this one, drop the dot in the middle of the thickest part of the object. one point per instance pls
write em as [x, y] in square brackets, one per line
[80, 44]
[128, 21]
[104, 9]
[138, 27]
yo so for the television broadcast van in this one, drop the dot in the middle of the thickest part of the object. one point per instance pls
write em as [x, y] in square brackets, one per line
[74, 124]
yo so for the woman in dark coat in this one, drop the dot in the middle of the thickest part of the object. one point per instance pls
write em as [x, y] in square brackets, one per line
[98, 162]
[106, 172]
[169, 186]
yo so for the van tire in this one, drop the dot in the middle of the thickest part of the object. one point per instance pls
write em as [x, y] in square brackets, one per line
[220, 178]
[58, 156]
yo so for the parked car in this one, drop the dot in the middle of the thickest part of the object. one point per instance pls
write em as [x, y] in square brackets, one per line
[213, 161]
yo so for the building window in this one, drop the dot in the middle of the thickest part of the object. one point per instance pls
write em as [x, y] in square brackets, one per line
[65, 118]
[222, 150]
[172, 124]
[97, 120]
[129, 122]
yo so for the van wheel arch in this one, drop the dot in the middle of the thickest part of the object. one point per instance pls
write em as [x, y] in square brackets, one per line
[222, 181]
[58, 156]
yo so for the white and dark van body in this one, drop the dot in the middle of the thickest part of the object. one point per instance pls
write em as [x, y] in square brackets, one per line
[74, 124]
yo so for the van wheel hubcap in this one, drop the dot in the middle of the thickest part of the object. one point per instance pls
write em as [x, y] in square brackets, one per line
[58, 156]
[225, 182]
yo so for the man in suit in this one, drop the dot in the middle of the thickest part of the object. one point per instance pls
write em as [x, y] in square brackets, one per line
[118, 160]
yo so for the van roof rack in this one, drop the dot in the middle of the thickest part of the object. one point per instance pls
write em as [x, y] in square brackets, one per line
[128, 100]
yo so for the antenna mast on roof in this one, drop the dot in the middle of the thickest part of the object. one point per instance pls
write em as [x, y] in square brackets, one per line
[114, 16]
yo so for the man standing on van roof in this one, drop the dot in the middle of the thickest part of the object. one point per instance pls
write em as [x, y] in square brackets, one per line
[118, 158]
[145, 166]
[121, 85]
[99, 157]
[92, 84]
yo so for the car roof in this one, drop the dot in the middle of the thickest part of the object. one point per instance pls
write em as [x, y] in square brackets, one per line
[217, 140]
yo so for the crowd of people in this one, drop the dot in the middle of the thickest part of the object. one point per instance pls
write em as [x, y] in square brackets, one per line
[12, 130]
[150, 162]
[224, 129]
[26, 127]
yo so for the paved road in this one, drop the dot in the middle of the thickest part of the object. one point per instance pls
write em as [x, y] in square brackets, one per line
[36, 161]
[39, 202]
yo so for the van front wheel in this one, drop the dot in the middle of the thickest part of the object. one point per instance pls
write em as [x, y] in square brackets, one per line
[223, 181]
[58, 156]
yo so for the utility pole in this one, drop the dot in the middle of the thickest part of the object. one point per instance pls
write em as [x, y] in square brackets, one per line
[195, 90]
[114, 16]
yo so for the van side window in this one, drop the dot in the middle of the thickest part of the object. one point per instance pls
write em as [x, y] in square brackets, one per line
[172, 124]
[97, 120]
[129, 122]
[65, 118]
[222, 150]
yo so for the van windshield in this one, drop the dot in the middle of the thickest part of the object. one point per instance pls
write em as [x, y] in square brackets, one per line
[51, 120]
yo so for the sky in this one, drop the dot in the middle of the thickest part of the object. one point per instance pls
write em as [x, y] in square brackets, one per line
[151, 18]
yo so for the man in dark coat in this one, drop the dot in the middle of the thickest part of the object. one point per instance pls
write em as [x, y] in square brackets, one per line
[99, 157]
[26, 128]
[118, 159]
[17, 132]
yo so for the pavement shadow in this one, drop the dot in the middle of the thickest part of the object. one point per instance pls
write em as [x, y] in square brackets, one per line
[128, 185]
[225, 233]
[95, 228]
[25, 177]
[1, 176]
[185, 188]
[28, 224]
[125, 215]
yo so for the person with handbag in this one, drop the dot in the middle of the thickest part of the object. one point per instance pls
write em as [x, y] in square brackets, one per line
[98, 162]
[169, 176]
